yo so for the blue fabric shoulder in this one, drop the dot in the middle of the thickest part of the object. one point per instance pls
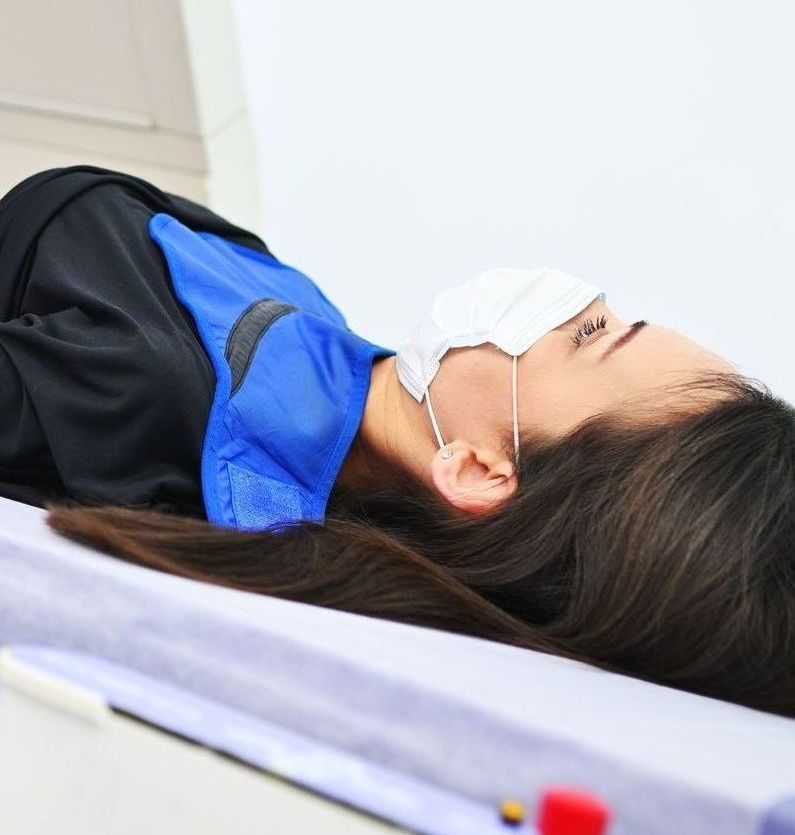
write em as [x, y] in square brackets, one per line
[291, 378]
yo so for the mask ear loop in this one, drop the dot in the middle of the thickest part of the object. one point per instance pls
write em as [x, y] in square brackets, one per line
[515, 415]
[433, 418]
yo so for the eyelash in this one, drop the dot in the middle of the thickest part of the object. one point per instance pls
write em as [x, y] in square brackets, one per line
[585, 328]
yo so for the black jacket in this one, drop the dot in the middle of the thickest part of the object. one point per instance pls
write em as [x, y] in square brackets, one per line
[105, 387]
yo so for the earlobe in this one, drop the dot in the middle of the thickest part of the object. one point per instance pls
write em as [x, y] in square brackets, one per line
[473, 479]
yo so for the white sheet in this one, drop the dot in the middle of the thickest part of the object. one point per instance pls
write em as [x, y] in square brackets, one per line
[480, 718]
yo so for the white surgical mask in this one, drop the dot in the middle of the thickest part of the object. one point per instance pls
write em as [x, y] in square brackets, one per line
[510, 308]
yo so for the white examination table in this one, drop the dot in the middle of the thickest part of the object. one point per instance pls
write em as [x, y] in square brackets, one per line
[118, 685]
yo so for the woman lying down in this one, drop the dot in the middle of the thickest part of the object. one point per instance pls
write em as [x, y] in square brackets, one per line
[528, 468]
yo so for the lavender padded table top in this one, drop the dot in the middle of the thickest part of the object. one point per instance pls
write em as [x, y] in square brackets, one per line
[478, 718]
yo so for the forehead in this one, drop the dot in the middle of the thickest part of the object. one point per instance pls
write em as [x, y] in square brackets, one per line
[662, 345]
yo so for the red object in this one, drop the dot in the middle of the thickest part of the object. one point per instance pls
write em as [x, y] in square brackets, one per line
[568, 811]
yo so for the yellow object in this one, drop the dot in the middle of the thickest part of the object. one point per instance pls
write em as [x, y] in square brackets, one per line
[512, 811]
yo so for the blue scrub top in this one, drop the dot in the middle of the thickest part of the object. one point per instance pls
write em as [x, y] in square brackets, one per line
[291, 378]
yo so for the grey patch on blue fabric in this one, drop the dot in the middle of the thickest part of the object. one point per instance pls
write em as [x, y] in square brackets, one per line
[780, 819]
[246, 333]
[259, 501]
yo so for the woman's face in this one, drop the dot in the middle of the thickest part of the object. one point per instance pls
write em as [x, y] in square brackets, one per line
[621, 366]
[560, 384]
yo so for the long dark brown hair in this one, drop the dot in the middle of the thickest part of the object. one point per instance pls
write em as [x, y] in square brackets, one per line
[665, 551]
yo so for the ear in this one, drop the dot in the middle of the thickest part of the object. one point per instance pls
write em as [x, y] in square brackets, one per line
[474, 479]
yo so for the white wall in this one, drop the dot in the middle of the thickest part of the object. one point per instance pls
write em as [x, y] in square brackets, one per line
[647, 147]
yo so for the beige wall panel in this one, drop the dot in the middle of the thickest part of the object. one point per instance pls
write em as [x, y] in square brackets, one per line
[212, 41]
[232, 185]
[20, 160]
[150, 87]
[164, 148]
[165, 64]
[50, 52]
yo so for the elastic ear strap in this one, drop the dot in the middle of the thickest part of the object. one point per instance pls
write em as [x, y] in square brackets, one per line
[433, 418]
[515, 414]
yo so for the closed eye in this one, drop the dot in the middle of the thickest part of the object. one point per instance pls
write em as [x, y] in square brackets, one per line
[586, 328]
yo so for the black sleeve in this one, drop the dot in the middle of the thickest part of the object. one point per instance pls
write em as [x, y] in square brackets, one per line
[105, 388]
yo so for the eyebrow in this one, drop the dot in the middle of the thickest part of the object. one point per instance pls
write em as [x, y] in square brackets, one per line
[634, 330]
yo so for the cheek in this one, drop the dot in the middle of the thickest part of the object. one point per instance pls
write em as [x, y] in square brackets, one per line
[558, 389]
[553, 403]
